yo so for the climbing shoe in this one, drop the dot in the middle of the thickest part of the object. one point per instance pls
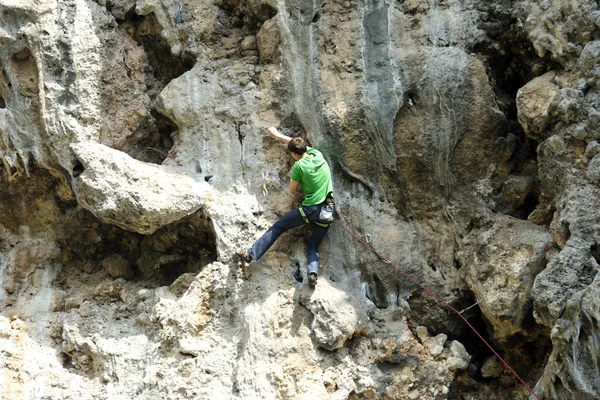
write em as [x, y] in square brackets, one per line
[312, 279]
[245, 256]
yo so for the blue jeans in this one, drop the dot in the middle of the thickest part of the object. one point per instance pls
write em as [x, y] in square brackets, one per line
[293, 220]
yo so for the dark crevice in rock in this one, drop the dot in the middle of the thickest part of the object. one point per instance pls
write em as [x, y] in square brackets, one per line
[77, 169]
[511, 62]
[525, 355]
[146, 31]
[427, 311]
[67, 361]
[160, 258]
[510, 58]
[531, 202]
[152, 140]
[595, 250]
[297, 271]
[317, 17]
[376, 293]
[245, 15]
[40, 203]
[5, 87]
[476, 348]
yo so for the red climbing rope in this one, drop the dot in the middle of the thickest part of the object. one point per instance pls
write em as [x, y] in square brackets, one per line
[438, 298]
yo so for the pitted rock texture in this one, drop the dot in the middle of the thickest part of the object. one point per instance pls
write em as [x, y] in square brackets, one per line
[464, 144]
[134, 195]
[500, 264]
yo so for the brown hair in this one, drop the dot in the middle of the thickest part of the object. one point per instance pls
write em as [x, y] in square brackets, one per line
[297, 145]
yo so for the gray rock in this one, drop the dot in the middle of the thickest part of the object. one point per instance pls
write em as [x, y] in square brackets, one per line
[568, 273]
[590, 57]
[120, 8]
[459, 357]
[575, 337]
[435, 345]
[568, 103]
[593, 171]
[594, 118]
[592, 149]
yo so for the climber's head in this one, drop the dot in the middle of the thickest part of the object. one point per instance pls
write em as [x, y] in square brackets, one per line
[297, 147]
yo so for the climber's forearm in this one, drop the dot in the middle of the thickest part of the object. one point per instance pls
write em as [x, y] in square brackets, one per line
[274, 133]
[293, 186]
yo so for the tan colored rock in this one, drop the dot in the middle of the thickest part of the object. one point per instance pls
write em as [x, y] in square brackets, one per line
[117, 266]
[416, 6]
[500, 264]
[516, 189]
[109, 290]
[492, 367]
[182, 284]
[268, 41]
[73, 302]
[408, 118]
[535, 104]
[248, 44]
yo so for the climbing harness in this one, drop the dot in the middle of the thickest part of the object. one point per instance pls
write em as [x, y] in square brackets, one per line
[325, 214]
[438, 298]
[179, 11]
[319, 222]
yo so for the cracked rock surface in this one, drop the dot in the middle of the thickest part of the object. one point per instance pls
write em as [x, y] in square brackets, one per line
[464, 143]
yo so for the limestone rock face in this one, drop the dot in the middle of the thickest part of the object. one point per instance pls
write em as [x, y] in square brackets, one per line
[336, 319]
[464, 147]
[569, 337]
[134, 195]
[500, 264]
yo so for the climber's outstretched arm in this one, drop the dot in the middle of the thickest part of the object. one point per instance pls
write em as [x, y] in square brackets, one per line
[294, 186]
[274, 133]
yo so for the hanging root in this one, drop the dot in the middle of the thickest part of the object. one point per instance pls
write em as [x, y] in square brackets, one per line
[13, 171]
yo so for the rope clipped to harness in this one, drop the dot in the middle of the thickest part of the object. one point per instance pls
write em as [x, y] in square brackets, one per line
[439, 299]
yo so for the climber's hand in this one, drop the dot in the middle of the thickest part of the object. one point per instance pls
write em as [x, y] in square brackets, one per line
[273, 132]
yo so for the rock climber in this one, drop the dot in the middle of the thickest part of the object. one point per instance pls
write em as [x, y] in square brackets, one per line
[312, 172]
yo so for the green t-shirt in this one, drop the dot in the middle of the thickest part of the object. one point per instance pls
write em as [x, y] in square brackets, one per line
[313, 173]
